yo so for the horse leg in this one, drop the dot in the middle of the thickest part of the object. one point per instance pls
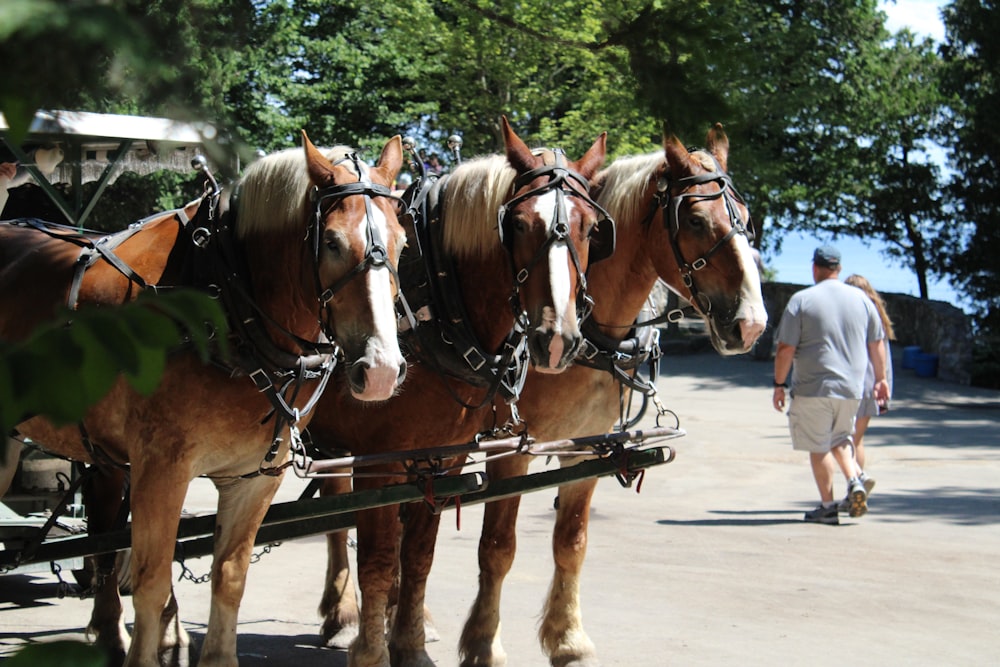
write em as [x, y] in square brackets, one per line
[155, 516]
[243, 502]
[480, 644]
[339, 605]
[378, 532]
[431, 633]
[561, 632]
[174, 639]
[103, 493]
[416, 554]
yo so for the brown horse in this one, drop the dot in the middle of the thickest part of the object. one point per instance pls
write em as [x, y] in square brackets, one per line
[545, 219]
[306, 255]
[678, 219]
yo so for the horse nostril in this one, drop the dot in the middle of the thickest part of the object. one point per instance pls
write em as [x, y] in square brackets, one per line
[402, 373]
[356, 375]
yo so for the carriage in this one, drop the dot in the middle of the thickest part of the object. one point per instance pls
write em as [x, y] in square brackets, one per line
[547, 218]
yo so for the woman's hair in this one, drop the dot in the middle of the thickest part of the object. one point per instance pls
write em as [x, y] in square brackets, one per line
[862, 284]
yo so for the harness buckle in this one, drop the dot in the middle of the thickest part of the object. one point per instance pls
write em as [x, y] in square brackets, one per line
[474, 358]
[201, 237]
[261, 380]
[588, 351]
[377, 255]
[699, 264]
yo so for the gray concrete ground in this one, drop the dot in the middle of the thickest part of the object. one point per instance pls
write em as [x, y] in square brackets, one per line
[710, 564]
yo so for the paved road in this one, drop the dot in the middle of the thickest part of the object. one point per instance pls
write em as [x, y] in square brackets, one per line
[710, 564]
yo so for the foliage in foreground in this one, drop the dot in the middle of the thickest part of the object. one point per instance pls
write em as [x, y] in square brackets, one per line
[62, 653]
[69, 365]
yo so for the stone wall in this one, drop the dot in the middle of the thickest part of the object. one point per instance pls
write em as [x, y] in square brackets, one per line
[936, 326]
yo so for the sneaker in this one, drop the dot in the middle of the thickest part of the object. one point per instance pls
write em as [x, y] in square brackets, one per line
[869, 484]
[844, 506]
[827, 515]
[859, 499]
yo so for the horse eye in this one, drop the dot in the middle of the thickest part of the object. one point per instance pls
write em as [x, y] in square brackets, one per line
[697, 222]
[333, 247]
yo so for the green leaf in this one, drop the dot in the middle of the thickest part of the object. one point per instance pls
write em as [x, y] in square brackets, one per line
[63, 653]
[152, 328]
[200, 316]
[146, 377]
[98, 369]
[114, 336]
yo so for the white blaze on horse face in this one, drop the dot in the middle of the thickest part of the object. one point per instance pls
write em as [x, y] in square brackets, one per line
[562, 314]
[382, 348]
[752, 315]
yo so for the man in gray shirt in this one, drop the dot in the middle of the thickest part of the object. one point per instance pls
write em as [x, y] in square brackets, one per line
[830, 331]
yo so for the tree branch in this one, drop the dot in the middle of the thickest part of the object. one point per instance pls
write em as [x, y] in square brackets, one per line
[520, 27]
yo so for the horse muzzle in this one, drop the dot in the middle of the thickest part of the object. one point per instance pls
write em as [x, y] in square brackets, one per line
[737, 334]
[553, 352]
[373, 378]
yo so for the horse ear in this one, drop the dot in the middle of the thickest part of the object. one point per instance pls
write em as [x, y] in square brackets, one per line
[518, 154]
[593, 159]
[320, 170]
[391, 159]
[718, 145]
[678, 160]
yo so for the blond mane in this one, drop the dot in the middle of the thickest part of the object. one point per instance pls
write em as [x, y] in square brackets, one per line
[623, 184]
[272, 192]
[472, 197]
[625, 181]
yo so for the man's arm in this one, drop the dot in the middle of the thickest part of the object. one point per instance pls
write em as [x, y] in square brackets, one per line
[782, 367]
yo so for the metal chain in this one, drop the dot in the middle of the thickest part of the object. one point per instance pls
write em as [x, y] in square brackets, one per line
[189, 575]
[266, 549]
[62, 588]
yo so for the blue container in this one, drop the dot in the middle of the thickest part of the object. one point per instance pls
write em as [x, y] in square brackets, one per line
[910, 356]
[926, 365]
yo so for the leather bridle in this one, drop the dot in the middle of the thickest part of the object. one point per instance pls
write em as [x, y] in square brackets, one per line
[376, 253]
[565, 183]
[670, 204]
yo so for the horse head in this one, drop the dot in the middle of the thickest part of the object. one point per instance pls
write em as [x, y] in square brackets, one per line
[707, 225]
[357, 241]
[552, 230]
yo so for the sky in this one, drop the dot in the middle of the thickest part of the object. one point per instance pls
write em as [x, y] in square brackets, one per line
[794, 263]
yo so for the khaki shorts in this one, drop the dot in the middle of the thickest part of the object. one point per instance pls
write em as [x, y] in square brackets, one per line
[819, 424]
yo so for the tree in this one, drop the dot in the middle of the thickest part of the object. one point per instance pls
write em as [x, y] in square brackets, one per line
[902, 115]
[972, 61]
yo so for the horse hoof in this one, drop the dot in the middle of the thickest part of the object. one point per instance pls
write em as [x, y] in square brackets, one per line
[334, 637]
[410, 658]
[478, 661]
[575, 661]
[174, 656]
